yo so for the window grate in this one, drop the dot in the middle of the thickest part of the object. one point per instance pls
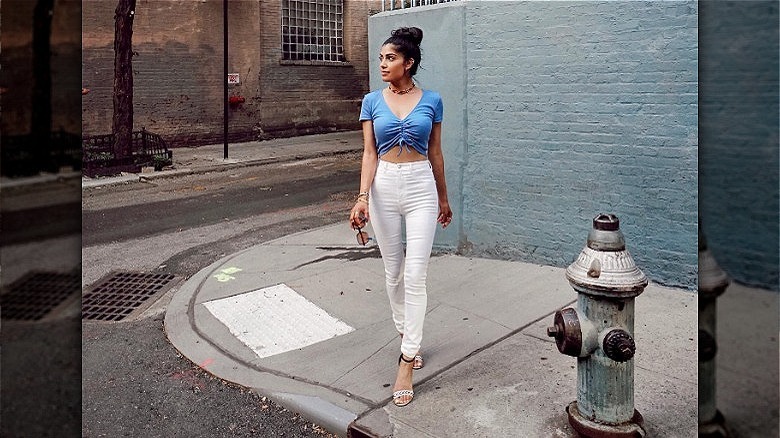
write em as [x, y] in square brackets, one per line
[313, 30]
[120, 293]
[37, 293]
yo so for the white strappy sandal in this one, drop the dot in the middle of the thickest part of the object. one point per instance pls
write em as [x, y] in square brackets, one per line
[418, 362]
[398, 395]
[418, 359]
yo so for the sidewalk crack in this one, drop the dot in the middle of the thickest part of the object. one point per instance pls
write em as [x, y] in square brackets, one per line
[363, 361]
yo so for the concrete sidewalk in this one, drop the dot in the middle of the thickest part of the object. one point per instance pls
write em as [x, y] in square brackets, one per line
[328, 349]
[490, 368]
[210, 158]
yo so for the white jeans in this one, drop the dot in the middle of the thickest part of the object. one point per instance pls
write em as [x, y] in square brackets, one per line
[405, 191]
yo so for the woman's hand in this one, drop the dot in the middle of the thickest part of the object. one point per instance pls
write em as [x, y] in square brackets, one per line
[445, 214]
[358, 217]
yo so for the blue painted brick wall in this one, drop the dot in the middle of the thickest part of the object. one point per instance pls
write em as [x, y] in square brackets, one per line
[577, 108]
[570, 109]
[738, 153]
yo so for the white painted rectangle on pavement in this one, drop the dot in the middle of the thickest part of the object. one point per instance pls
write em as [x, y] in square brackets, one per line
[275, 319]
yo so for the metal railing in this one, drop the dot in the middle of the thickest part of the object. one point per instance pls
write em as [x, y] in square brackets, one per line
[143, 143]
[148, 149]
[391, 5]
[28, 154]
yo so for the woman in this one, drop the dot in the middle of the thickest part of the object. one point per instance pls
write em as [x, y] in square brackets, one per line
[402, 178]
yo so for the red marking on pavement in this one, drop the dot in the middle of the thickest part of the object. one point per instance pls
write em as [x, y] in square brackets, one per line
[206, 363]
[189, 376]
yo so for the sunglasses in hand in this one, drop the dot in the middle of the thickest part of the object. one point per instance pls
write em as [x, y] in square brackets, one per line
[362, 236]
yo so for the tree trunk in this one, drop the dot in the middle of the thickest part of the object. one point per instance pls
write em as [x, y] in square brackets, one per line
[122, 124]
[40, 128]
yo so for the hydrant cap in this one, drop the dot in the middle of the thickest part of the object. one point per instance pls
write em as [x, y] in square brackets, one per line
[604, 267]
[606, 234]
[606, 222]
[712, 279]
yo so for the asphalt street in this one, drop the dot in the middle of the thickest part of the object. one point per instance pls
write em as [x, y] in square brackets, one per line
[140, 210]
[135, 383]
[41, 376]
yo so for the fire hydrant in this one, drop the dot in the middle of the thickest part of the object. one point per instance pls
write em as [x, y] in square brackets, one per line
[599, 333]
[712, 283]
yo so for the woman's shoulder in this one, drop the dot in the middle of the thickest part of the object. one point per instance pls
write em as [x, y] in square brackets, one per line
[432, 95]
[432, 98]
[373, 94]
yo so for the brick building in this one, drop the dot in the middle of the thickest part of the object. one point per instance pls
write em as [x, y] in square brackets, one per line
[18, 78]
[39, 83]
[302, 67]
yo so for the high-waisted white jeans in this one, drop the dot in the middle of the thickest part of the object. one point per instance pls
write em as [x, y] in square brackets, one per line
[405, 191]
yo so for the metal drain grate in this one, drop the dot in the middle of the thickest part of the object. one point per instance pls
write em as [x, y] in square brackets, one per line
[120, 293]
[34, 295]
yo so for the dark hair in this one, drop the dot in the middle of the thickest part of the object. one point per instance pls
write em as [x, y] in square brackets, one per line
[407, 42]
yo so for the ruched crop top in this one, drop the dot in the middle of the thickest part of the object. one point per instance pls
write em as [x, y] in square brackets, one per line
[411, 131]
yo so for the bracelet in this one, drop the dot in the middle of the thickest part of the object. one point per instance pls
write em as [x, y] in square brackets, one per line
[362, 196]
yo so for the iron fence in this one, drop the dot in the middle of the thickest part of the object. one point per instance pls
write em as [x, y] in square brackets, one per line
[390, 5]
[28, 154]
[148, 149]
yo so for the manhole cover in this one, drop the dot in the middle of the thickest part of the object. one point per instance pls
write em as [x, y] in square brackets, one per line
[34, 295]
[118, 294]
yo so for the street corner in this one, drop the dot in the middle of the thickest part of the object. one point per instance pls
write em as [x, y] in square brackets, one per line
[256, 304]
[271, 338]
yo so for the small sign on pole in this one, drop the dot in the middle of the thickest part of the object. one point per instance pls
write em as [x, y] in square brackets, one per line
[233, 79]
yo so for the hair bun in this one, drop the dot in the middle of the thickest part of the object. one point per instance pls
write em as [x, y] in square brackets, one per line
[413, 34]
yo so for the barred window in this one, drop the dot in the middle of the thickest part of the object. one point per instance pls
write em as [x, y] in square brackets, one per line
[313, 30]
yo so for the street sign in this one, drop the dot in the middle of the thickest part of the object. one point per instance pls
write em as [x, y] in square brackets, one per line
[233, 79]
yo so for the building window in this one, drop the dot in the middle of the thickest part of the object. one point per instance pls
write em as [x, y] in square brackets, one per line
[313, 30]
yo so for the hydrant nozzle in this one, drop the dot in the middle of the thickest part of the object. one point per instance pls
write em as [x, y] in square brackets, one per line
[619, 345]
[567, 332]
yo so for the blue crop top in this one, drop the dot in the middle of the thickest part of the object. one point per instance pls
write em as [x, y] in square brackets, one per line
[414, 130]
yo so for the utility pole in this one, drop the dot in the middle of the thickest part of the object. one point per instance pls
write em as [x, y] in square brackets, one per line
[225, 74]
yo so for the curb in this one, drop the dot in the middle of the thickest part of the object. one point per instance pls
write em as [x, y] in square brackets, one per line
[332, 418]
[354, 430]
[39, 179]
[143, 177]
[178, 319]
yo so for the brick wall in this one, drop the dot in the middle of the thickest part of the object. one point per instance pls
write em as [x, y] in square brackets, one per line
[571, 109]
[288, 91]
[178, 72]
[16, 58]
[738, 168]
